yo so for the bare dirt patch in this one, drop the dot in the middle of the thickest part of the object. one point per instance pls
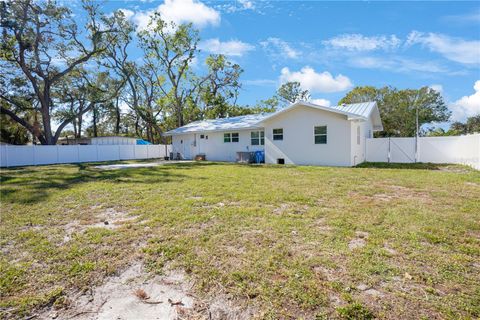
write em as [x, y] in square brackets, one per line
[394, 193]
[359, 241]
[290, 208]
[108, 219]
[133, 294]
[137, 165]
[136, 294]
[455, 169]
[371, 292]
[473, 184]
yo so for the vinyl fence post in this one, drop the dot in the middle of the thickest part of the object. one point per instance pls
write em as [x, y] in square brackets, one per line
[6, 156]
[34, 158]
[416, 149]
[389, 150]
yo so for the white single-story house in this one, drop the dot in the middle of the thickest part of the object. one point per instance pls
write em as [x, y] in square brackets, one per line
[302, 133]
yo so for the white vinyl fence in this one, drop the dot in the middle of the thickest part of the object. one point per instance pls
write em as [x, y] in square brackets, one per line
[454, 149]
[11, 156]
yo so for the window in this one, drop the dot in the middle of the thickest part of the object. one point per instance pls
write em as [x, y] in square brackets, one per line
[277, 134]
[320, 134]
[227, 137]
[230, 137]
[258, 138]
[358, 134]
[280, 161]
[202, 136]
[235, 137]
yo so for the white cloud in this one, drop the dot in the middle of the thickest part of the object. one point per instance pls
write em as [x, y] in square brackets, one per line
[358, 42]
[464, 18]
[279, 48]
[467, 106]
[238, 5]
[260, 82]
[316, 82]
[436, 87]
[397, 64]
[179, 11]
[247, 4]
[229, 48]
[455, 49]
[321, 102]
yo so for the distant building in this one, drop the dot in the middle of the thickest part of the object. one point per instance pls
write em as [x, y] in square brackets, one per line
[115, 140]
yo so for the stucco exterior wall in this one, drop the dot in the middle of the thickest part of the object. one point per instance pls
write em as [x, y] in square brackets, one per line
[214, 147]
[298, 145]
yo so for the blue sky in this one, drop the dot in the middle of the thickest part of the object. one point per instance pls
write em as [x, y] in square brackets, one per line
[329, 47]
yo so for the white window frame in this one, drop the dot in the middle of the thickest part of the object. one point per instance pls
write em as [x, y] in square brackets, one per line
[230, 137]
[277, 136]
[315, 135]
[260, 137]
[237, 137]
[227, 135]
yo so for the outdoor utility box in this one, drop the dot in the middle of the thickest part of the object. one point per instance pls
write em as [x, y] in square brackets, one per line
[244, 157]
[200, 157]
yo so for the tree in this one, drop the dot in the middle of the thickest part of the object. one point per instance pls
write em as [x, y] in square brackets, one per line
[268, 104]
[286, 94]
[171, 49]
[74, 91]
[292, 92]
[42, 42]
[457, 128]
[143, 94]
[218, 90]
[11, 132]
[473, 124]
[398, 108]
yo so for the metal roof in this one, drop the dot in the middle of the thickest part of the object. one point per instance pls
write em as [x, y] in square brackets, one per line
[221, 124]
[352, 111]
[363, 109]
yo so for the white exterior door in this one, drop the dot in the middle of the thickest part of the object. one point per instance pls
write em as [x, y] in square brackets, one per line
[187, 146]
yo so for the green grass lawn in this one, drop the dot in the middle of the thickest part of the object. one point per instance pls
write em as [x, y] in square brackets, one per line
[293, 242]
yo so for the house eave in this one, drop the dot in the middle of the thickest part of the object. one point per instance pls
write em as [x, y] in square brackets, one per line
[170, 134]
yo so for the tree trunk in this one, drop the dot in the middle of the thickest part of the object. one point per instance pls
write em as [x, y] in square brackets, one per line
[137, 128]
[75, 132]
[95, 133]
[80, 120]
[45, 110]
[117, 113]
